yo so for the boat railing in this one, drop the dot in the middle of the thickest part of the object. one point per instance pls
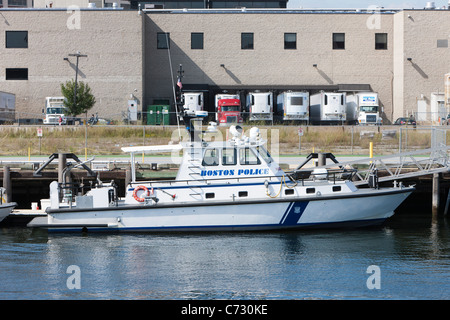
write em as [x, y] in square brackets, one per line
[296, 177]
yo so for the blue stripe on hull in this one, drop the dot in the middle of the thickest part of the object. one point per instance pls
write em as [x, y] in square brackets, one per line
[269, 227]
[293, 213]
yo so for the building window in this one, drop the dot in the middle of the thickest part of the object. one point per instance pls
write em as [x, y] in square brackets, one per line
[17, 74]
[162, 40]
[197, 40]
[17, 3]
[246, 41]
[16, 39]
[290, 41]
[338, 41]
[380, 41]
[442, 43]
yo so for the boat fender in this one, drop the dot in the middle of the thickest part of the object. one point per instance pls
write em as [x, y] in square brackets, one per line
[145, 194]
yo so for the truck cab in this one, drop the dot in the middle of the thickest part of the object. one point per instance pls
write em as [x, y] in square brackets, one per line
[368, 109]
[228, 109]
[54, 111]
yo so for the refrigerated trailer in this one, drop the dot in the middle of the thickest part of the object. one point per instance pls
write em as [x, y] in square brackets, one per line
[293, 105]
[260, 106]
[193, 102]
[328, 108]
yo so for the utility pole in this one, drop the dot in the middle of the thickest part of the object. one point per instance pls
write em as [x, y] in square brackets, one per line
[78, 55]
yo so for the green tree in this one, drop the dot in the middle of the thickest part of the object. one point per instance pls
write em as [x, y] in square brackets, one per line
[85, 99]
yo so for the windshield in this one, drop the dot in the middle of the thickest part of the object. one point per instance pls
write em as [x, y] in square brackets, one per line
[55, 110]
[369, 108]
[230, 108]
[264, 154]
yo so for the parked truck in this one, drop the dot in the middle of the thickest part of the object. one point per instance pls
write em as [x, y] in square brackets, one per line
[293, 105]
[7, 107]
[328, 108]
[363, 108]
[55, 112]
[228, 109]
[260, 106]
[193, 101]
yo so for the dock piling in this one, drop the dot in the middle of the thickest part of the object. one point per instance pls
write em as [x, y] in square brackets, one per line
[7, 183]
[435, 193]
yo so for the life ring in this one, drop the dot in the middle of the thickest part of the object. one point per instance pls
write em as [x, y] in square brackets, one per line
[145, 194]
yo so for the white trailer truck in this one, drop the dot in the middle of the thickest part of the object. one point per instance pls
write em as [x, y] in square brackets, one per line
[55, 112]
[328, 108]
[293, 105]
[7, 107]
[363, 108]
[260, 106]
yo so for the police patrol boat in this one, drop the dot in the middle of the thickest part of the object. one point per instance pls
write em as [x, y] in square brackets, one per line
[232, 185]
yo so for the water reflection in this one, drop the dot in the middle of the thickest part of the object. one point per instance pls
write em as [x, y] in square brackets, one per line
[412, 253]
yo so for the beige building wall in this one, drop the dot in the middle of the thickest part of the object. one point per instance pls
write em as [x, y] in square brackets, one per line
[425, 73]
[398, 66]
[123, 59]
[112, 40]
[269, 64]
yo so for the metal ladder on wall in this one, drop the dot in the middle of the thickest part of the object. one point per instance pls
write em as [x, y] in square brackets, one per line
[195, 169]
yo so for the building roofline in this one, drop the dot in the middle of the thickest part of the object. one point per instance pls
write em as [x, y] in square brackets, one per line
[63, 9]
[277, 10]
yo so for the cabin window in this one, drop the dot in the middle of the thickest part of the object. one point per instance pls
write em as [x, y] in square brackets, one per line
[16, 39]
[336, 188]
[209, 195]
[229, 156]
[243, 194]
[264, 154]
[197, 40]
[211, 157]
[248, 157]
[289, 192]
[338, 41]
[163, 40]
[310, 190]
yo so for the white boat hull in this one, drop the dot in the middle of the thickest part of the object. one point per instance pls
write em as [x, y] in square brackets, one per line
[363, 208]
[6, 209]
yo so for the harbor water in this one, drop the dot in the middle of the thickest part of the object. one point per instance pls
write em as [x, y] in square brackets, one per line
[406, 258]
